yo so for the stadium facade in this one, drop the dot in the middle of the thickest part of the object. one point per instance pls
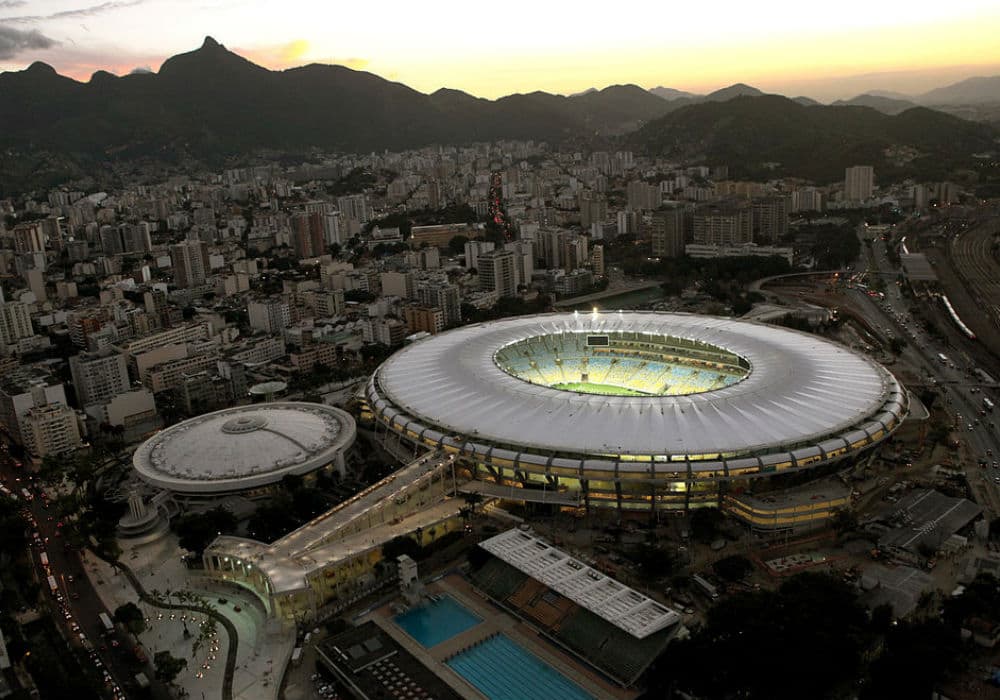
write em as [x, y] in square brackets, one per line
[634, 411]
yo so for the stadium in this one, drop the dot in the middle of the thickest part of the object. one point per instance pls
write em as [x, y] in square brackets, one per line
[635, 411]
[245, 450]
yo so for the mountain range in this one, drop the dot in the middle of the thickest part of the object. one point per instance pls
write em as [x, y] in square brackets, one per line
[211, 104]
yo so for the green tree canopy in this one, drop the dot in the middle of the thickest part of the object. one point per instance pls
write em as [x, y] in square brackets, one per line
[168, 666]
[131, 617]
[196, 531]
[804, 640]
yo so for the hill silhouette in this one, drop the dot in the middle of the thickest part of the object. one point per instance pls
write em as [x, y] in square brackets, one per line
[772, 134]
[210, 105]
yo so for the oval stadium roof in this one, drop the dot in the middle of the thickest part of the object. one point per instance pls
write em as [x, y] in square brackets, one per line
[801, 389]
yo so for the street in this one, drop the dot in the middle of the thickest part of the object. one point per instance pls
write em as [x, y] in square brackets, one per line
[74, 603]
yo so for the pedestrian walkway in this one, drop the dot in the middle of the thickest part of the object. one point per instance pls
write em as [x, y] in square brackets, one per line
[263, 648]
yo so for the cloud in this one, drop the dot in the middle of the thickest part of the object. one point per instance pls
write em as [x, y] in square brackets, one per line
[14, 41]
[10, 4]
[295, 53]
[139, 70]
[88, 11]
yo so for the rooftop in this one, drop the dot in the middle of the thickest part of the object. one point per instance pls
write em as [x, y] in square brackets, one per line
[378, 666]
[244, 447]
[926, 517]
[801, 390]
[614, 602]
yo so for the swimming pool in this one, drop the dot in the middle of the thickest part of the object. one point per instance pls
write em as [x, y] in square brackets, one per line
[437, 621]
[504, 670]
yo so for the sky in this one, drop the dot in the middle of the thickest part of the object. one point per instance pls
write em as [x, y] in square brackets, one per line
[827, 52]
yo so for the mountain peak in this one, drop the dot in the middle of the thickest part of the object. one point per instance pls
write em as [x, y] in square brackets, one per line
[102, 76]
[209, 61]
[41, 68]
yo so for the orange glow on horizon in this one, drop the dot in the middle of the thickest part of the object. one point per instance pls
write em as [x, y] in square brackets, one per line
[772, 59]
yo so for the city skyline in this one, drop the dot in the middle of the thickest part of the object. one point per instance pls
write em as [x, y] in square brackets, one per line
[904, 48]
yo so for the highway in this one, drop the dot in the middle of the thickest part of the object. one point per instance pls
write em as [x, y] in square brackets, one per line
[961, 390]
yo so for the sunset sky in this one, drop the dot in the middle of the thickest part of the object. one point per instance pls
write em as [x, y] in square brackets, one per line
[834, 51]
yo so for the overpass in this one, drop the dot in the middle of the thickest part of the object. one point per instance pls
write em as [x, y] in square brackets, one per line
[332, 555]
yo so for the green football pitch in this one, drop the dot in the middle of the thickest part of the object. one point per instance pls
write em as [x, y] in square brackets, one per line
[605, 389]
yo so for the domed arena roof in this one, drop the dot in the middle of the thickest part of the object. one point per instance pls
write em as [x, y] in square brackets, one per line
[244, 447]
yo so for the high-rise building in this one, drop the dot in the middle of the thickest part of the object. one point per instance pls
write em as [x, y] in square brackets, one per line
[723, 224]
[29, 237]
[807, 199]
[112, 242]
[572, 251]
[190, 262]
[15, 322]
[270, 315]
[593, 209]
[354, 207]
[22, 389]
[308, 235]
[98, 377]
[51, 429]
[426, 319]
[643, 197]
[136, 238]
[445, 297]
[497, 273]
[667, 232]
[331, 228]
[597, 259]
[524, 260]
[397, 284]
[156, 306]
[473, 249]
[859, 182]
[770, 218]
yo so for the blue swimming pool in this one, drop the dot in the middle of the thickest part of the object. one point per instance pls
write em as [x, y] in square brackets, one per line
[503, 670]
[437, 621]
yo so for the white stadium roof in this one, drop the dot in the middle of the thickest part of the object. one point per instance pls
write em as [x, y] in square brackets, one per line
[623, 607]
[801, 390]
[244, 447]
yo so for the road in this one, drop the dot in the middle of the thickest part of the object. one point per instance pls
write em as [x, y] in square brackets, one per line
[960, 388]
[76, 606]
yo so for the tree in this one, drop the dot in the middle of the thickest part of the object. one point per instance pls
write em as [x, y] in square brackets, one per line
[309, 502]
[705, 524]
[735, 567]
[897, 345]
[131, 617]
[168, 666]
[457, 244]
[916, 656]
[815, 620]
[844, 520]
[399, 546]
[196, 531]
[654, 562]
